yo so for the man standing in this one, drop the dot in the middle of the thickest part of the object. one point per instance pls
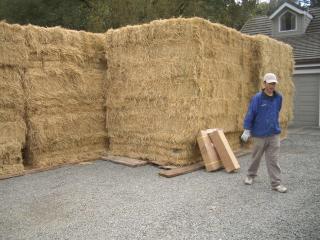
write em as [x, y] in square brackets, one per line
[262, 123]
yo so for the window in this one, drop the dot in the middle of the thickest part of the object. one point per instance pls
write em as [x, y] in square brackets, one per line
[288, 21]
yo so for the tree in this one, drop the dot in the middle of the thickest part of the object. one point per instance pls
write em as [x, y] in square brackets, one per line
[262, 9]
[100, 15]
[97, 14]
[69, 14]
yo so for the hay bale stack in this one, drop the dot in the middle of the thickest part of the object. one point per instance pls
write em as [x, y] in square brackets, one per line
[13, 57]
[277, 57]
[65, 96]
[171, 78]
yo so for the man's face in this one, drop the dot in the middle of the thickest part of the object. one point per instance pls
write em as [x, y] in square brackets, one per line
[270, 87]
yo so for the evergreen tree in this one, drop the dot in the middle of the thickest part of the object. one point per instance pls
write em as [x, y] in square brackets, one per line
[100, 15]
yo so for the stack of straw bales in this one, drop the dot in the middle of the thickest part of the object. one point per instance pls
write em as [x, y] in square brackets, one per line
[65, 96]
[165, 82]
[13, 57]
[171, 78]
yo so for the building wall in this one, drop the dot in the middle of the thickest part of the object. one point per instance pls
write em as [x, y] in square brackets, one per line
[306, 100]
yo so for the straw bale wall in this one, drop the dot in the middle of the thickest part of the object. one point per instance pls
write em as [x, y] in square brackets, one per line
[13, 56]
[163, 82]
[171, 78]
[65, 96]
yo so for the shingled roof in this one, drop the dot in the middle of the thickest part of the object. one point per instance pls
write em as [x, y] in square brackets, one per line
[258, 25]
[306, 47]
[314, 26]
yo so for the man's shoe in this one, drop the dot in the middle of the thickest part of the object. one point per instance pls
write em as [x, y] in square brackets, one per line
[280, 189]
[248, 180]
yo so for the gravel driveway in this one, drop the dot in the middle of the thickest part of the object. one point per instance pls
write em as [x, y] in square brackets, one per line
[104, 200]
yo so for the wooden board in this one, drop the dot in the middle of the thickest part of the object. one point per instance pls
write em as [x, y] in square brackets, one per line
[224, 150]
[194, 167]
[130, 162]
[181, 170]
[31, 170]
[34, 170]
[241, 153]
[167, 167]
[11, 176]
[210, 157]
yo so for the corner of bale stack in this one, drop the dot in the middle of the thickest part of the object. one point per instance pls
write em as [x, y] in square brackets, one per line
[277, 57]
[169, 79]
[65, 96]
[13, 58]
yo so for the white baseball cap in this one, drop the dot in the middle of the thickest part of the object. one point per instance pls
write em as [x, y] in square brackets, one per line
[270, 78]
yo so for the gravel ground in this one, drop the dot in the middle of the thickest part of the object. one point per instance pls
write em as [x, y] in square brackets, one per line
[104, 200]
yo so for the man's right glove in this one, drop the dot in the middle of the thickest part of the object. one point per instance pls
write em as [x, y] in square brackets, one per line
[245, 135]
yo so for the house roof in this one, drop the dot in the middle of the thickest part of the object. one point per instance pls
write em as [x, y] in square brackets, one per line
[258, 25]
[262, 24]
[306, 47]
[314, 25]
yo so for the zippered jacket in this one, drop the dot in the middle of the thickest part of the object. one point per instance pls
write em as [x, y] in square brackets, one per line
[262, 118]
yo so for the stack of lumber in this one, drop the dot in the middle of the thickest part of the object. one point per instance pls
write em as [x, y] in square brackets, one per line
[216, 151]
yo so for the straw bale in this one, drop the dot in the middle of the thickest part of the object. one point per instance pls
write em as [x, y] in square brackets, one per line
[65, 95]
[93, 48]
[38, 37]
[11, 169]
[12, 124]
[12, 131]
[169, 79]
[58, 44]
[13, 50]
[68, 138]
[9, 153]
[51, 133]
[54, 158]
[12, 95]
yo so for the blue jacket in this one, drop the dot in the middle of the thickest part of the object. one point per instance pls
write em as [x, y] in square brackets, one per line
[262, 118]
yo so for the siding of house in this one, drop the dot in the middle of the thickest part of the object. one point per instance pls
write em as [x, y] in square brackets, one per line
[306, 22]
[306, 100]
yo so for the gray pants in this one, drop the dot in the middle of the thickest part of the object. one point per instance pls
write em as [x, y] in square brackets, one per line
[271, 147]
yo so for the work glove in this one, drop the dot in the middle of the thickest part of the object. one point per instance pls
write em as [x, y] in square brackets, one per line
[245, 135]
